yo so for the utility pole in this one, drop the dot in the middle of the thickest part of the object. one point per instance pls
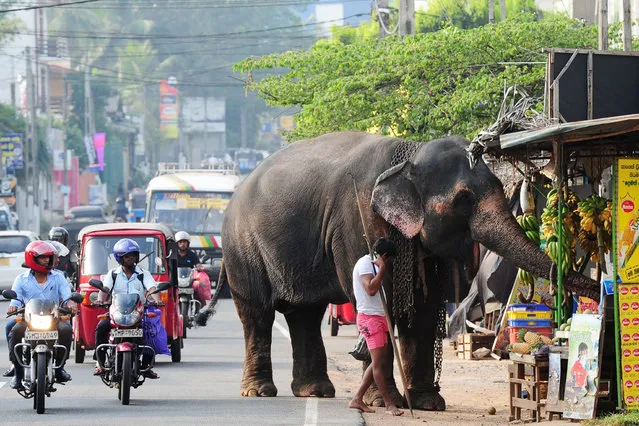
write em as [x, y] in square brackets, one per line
[603, 24]
[383, 16]
[65, 114]
[31, 176]
[406, 17]
[491, 11]
[627, 26]
[502, 7]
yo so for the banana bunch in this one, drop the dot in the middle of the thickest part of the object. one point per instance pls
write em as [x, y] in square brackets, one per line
[530, 225]
[595, 235]
[550, 228]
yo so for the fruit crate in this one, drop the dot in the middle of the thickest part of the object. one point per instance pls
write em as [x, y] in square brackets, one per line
[528, 311]
[470, 342]
[542, 331]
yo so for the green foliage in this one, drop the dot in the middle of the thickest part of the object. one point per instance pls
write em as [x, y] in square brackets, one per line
[418, 87]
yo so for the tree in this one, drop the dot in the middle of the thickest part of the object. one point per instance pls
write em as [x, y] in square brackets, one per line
[418, 87]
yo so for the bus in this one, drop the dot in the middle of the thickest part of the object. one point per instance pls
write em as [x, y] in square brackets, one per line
[193, 200]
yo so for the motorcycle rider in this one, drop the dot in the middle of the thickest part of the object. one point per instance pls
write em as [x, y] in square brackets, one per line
[40, 282]
[59, 234]
[129, 278]
[188, 259]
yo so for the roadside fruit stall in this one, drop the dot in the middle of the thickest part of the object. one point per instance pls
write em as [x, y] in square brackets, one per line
[586, 174]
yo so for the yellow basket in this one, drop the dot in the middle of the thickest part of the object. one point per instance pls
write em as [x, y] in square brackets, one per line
[528, 312]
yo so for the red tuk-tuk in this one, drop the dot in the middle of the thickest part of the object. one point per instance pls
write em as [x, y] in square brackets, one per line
[343, 314]
[95, 259]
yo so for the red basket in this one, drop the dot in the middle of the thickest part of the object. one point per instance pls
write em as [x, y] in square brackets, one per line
[542, 331]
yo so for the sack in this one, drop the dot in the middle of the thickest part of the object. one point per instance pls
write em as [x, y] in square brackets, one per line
[360, 350]
[155, 334]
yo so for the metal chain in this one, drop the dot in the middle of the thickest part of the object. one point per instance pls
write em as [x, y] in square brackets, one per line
[404, 270]
[404, 263]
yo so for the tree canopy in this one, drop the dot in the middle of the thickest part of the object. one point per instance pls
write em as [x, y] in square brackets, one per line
[417, 87]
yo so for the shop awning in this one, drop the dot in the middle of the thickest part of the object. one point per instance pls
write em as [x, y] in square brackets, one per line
[577, 131]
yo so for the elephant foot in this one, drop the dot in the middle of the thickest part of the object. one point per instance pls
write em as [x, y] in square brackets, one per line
[322, 388]
[429, 401]
[258, 387]
[373, 396]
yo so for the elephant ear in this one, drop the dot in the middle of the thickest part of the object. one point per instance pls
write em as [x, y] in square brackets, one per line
[396, 199]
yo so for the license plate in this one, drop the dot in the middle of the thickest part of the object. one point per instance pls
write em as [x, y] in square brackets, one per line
[186, 291]
[5, 261]
[41, 335]
[134, 332]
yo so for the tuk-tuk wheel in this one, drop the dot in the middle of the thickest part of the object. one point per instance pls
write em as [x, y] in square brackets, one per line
[176, 350]
[79, 353]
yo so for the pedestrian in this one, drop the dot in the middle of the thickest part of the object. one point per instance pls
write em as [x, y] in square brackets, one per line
[368, 276]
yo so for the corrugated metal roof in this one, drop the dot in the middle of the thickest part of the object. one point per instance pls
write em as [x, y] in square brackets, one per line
[577, 131]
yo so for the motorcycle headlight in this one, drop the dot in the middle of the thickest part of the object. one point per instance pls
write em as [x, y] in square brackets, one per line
[40, 322]
[184, 282]
[126, 320]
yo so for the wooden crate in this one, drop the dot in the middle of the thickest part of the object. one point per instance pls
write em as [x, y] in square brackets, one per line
[469, 343]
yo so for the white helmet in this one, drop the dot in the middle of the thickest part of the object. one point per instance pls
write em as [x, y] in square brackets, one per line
[181, 236]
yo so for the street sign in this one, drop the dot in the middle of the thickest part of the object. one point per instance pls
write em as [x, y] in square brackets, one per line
[11, 150]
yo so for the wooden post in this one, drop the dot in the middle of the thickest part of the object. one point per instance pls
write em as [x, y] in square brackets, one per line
[502, 7]
[602, 19]
[491, 11]
[627, 26]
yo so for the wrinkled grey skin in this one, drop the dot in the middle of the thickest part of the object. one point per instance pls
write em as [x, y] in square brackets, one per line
[292, 234]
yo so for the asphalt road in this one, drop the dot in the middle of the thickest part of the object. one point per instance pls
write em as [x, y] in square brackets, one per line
[202, 389]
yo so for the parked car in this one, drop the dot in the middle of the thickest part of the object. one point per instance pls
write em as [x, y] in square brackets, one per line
[12, 245]
[85, 211]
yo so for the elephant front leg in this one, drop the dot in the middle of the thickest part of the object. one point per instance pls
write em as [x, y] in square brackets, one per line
[258, 333]
[309, 356]
[418, 356]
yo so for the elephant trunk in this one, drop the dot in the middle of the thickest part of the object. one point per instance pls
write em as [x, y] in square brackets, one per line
[495, 227]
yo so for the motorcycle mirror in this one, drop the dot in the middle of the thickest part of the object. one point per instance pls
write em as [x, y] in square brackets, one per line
[93, 282]
[76, 297]
[9, 294]
[162, 286]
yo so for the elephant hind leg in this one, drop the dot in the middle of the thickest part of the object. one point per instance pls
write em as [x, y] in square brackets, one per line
[309, 355]
[258, 333]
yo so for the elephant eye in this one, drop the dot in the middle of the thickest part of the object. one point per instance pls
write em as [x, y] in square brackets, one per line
[464, 202]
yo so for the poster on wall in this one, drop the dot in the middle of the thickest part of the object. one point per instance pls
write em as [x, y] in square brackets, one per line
[629, 329]
[554, 378]
[628, 219]
[582, 376]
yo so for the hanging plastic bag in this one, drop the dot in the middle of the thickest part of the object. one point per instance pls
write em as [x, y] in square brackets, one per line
[360, 350]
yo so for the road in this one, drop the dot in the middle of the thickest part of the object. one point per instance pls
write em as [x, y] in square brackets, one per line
[202, 389]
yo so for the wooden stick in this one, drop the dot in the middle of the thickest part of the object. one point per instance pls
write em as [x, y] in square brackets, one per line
[382, 295]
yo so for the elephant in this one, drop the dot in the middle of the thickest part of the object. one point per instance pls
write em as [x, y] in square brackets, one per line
[293, 231]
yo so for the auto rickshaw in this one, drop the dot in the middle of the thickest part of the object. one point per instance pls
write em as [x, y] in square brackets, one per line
[95, 259]
[343, 314]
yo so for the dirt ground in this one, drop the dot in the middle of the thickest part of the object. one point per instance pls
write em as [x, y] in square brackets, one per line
[469, 387]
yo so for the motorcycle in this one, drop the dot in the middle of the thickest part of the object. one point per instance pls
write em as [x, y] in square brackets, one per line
[123, 354]
[189, 305]
[37, 352]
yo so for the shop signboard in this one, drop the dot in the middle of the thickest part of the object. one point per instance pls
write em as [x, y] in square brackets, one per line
[628, 219]
[11, 153]
[580, 394]
[629, 330]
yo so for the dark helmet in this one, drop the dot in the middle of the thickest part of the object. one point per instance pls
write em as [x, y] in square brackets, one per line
[36, 249]
[125, 246]
[57, 233]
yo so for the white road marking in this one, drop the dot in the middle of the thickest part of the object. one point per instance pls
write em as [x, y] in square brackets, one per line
[311, 412]
[282, 330]
[311, 415]
[2, 384]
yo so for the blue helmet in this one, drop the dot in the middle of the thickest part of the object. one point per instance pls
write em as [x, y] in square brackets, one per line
[124, 246]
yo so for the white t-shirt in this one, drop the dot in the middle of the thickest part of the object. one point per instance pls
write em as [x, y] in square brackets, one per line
[366, 304]
[129, 285]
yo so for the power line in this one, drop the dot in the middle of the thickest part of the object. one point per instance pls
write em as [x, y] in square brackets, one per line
[47, 6]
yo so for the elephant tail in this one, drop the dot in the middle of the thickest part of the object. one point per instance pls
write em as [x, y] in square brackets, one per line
[208, 311]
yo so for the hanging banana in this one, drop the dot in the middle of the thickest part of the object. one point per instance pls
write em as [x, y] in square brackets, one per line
[595, 235]
[530, 226]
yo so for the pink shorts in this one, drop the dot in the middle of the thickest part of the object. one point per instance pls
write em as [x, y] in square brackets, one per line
[374, 329]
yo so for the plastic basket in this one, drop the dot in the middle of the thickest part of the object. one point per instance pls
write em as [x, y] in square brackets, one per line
[530, 323]
[528, 311]
[543, 331]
